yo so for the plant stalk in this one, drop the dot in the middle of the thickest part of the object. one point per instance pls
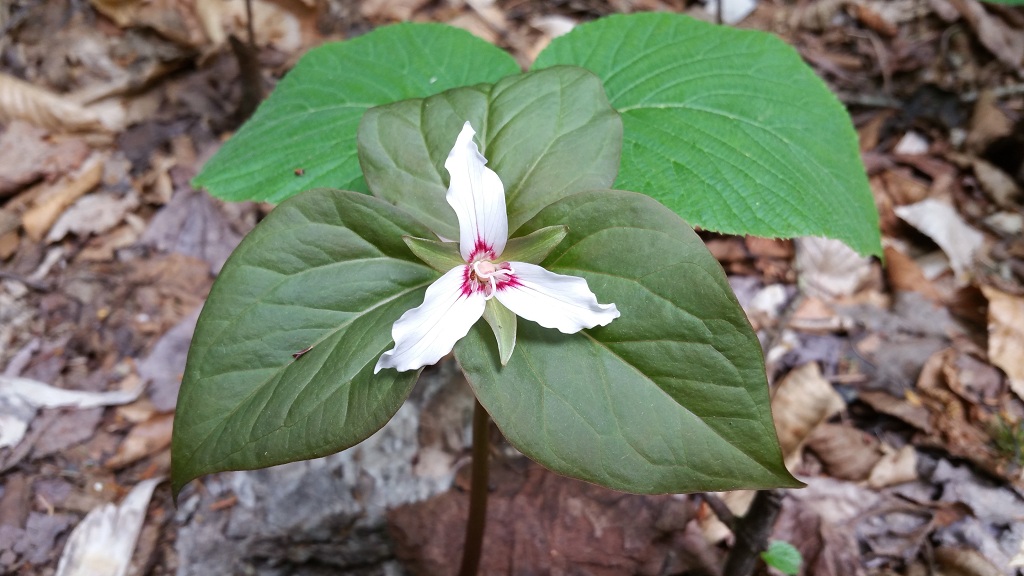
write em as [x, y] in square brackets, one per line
[477, 492]
[752, 533]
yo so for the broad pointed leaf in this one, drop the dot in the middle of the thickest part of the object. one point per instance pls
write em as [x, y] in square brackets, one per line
[281, 365]
[546, 134]
[727, 127]
[303, 136]
[669, 397]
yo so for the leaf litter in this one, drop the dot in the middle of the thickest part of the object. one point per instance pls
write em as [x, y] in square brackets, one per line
[896, 389]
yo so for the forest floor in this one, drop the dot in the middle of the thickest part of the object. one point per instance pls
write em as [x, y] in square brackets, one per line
[896, 389]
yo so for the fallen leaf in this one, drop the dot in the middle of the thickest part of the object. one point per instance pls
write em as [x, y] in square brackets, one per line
[143, 439]
[905, 274]
[999, 37]
[829, 269]
[20, 100]
[964, 562]
[104, 541]
[50, 204]
[29, 156]
[93, 214]
[895, 467]
[846, 452]
[21, 397]
[1006, 335]
[733, 11]
[802, 401]
[999, 186]
[164, 365]
[941, 222]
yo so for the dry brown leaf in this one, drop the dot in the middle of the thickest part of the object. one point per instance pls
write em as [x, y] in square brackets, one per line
[895, 467]
[802, 401]
[143, 440]
[38, 219]
[904, 274]
[964, 562]
[999, 186]
[847, 453]
[93, 214]
[829, 269]
[395, 10]
[1006, 335]
[20, 100]
[941, 222]
[999, 37]
[988, 122]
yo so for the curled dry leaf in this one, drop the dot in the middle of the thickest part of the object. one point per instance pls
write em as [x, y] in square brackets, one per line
[143, 440]
[895, 467]
[1006, 335]
[802, 401]
[52, 202]
[829, 269]
[104, 541]
[21, 397]
[941, 222]
[20, 100]
[846, 452]
[965, 562]
[93, 214]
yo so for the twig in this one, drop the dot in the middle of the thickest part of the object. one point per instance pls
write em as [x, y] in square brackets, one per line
[752, 532]
[720, 509]
[248, 69]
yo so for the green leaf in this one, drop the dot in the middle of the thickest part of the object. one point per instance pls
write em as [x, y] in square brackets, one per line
[535, 246]
[281, 364]
[727, 127]
[310, 120]
[503, 323]
[783, 557]
[441, 256]
[546, 134]
[669, 397]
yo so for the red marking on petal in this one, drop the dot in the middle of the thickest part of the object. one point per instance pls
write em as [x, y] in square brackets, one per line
[510, 282]
[481, 251]
[468, 282]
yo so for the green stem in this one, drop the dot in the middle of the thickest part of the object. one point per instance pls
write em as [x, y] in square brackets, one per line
[477, 493]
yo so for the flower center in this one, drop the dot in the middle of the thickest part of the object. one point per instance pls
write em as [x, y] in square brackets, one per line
[490, 276]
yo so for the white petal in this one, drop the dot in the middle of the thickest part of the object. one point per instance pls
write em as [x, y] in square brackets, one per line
[426, 333]
[554, 300]
[478, 197]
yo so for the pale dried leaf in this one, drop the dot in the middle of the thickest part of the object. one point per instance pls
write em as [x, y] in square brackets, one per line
[911, 144]
[1006, 335]
[21, 397]
[733, 11]
[104, 541]
[38, 219]
[802, 401]
[895, 467]
[941, 222]
[20, 100]
[93, 214]
[829, 269]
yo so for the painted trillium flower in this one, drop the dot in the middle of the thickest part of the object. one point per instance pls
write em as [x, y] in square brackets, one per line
[456, 300]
